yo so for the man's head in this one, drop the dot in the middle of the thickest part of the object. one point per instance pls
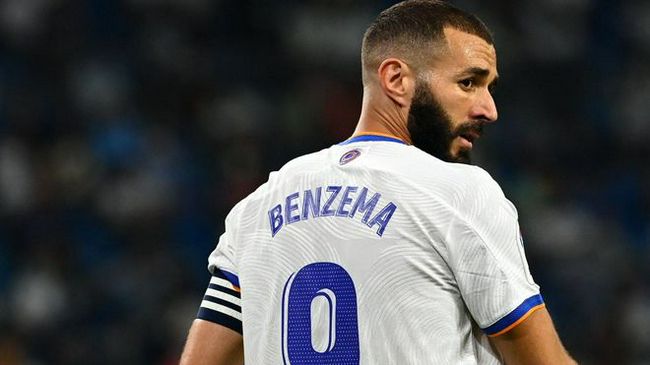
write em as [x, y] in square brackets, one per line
[438, 64]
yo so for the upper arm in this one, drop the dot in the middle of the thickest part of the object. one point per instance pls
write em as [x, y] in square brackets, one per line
[210, 343]
[534, 341]
[489, 262]
[486, 255]
[216, 335]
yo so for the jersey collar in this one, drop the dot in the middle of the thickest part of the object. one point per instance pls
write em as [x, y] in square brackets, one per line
[371, 138]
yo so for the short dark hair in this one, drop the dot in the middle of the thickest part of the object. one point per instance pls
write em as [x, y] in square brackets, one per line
[412, 30]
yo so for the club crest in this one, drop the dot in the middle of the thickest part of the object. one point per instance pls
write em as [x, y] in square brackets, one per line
[349, 156]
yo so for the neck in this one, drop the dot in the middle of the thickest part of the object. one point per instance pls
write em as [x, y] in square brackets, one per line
[385, 118]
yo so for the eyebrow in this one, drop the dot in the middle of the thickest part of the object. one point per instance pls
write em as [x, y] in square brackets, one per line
[482, 72]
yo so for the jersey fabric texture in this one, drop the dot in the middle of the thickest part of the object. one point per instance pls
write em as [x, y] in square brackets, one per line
[371, 252]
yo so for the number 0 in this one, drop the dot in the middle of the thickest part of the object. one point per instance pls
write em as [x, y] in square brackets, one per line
[320, 279]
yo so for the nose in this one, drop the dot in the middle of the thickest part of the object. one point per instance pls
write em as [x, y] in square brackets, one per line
[485, 108]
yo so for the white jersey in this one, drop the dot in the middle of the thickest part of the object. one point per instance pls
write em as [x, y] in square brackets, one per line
[371, 252]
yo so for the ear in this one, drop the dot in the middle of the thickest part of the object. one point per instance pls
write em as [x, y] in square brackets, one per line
[397, 81]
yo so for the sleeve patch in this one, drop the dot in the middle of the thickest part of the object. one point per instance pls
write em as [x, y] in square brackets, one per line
[518, 315]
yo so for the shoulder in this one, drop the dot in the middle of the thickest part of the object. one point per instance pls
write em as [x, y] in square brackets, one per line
[423, 168]
[293, 169]
[467, 189]
[305, 163]
[482, 201]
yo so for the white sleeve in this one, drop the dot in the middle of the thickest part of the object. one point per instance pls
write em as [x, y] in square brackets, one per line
[222, 300]
[487, 257]
[224, 255]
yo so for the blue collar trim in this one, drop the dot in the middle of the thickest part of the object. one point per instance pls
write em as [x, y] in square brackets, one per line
[371, 138]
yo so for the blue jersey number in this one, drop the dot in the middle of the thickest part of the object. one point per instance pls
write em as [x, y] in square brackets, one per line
[331, 282]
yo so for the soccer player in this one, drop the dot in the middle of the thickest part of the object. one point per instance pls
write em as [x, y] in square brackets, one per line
[388, 248]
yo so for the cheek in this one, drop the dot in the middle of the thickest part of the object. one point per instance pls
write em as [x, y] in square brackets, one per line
[460, 112]
[457, 108]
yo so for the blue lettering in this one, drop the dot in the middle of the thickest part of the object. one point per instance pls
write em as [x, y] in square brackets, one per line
[361, 205]
[311, 203]
[345, 200]
[382, 218]
[348, 206]
[289, 208]
[326, 212]
[275, 218]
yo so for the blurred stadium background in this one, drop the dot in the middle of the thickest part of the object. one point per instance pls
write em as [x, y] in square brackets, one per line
[129, 128]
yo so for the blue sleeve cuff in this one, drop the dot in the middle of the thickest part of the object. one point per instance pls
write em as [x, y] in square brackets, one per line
[518, 315]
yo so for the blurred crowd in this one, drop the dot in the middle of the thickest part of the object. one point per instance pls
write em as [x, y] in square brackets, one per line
[129, 128]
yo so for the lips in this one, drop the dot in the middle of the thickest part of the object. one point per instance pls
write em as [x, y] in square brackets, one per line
[469, 134]
[465, 142]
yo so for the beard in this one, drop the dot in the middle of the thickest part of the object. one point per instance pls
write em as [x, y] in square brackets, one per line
[432, 130]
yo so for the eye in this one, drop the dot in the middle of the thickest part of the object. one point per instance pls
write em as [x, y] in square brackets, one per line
[466, 84]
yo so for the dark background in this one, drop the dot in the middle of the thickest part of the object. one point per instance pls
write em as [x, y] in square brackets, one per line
[129, 128]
